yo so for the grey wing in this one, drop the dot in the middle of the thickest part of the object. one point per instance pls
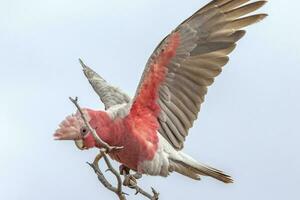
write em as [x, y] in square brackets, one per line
[109, 95]
[206, 39]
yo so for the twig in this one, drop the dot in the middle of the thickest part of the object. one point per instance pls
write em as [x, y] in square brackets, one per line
[95, 165]
[115, 172]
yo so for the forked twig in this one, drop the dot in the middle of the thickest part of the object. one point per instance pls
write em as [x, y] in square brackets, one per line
[95, 165]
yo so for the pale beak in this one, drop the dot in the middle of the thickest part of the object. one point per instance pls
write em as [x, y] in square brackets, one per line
[79, 144]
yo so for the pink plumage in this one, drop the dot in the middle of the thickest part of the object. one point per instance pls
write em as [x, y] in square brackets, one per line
[153, 126]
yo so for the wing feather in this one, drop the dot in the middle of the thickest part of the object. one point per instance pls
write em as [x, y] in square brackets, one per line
[203, 43]
[108, 94]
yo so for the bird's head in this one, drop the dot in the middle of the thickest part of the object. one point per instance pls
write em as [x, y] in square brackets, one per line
[74, 128]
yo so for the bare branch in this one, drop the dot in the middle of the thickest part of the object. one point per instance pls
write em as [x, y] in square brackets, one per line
[95, 165]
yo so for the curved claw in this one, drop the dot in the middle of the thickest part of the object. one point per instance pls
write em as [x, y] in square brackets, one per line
[129, 181]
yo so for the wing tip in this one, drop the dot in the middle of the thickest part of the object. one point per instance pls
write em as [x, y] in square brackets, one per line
[260, 17]
[88, 72]
[82, 63]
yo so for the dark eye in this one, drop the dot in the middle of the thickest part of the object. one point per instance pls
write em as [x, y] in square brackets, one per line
[84, 131]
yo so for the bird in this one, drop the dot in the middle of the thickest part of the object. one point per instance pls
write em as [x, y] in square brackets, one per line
[152, 126]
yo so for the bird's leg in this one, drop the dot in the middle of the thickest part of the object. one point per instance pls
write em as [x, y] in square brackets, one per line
[124, 170]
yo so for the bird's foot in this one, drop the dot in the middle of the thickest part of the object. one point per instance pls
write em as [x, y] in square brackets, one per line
[130, 180]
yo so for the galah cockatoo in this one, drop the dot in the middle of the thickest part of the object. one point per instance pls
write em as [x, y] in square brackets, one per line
[152, 126]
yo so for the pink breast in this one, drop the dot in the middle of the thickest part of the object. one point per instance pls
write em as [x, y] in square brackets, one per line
[137, 147]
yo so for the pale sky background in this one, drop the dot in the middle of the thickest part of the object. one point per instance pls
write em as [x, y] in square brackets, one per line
[248, 126]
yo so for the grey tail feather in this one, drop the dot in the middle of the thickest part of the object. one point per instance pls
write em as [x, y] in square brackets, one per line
[189, 167]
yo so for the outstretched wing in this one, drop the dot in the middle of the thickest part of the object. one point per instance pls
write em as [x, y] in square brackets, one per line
[108, 94]
[185, 63]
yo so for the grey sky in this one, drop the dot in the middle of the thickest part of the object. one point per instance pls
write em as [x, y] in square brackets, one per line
[248, 126]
